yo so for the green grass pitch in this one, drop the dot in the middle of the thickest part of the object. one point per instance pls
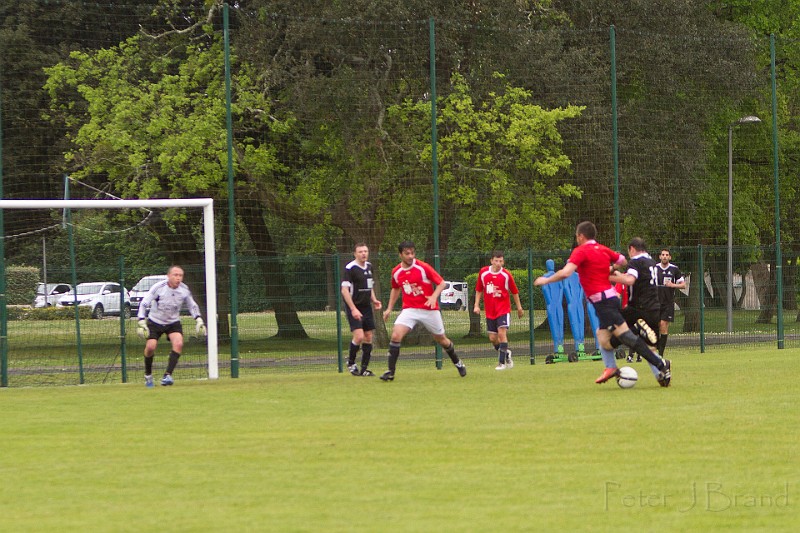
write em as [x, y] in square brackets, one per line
[536, 448]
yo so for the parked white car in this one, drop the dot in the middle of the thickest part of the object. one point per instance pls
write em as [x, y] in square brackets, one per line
[139, 291]
[101, 296]
[49, 295]
[454, 296]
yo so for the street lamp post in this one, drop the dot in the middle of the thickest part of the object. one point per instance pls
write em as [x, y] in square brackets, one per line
[750, 119]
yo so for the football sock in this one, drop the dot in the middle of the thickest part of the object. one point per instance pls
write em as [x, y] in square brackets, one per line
[365, 355]
[148, 366]
[631, 340]
[394, 354]
[351, 358]
[496, 347]
[503, 352]
[656, 372]
[609, 357]
[662, 344]
[451, 351]
[173, 361]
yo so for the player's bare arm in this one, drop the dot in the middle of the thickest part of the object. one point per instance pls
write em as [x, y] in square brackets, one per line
[348, 300]
[620, 277]
[518, 303]
[477, 308]
[376, 304]
[564, 273]
[393, 296]
[433, 299]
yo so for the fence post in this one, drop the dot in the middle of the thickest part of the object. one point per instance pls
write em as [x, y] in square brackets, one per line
[778, 254]
[233, 263]
[337, 279]
[531, 321]
[702, 276]
[122, 353]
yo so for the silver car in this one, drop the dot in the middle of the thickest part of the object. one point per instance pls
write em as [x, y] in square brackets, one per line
[47, 296]
[101, 296]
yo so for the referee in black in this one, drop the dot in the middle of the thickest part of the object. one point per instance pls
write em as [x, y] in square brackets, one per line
[669, 278]
[359, 298]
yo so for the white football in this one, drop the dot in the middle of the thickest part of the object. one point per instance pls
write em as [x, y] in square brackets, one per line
[627, 377]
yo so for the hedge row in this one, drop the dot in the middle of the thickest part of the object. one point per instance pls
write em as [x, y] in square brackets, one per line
[26, 312]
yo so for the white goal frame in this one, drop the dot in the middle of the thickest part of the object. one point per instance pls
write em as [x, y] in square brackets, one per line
[208, 244]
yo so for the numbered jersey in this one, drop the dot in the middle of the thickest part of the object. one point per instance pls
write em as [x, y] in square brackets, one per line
[497, 288]
[672, 273]
[358, 281]
[643, 294]
[416, 284]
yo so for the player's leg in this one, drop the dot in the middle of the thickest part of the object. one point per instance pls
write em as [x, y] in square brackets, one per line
[355, 346]
[504, 354]
[608, 317]
[608, 354]
[491, 329]
[402, 325]
[357, 331]
[637, 343]
[366, 353]
[174, 333]
[432, 320]
[662, 337]
[368, 328]
[149, 351]
[667, 315]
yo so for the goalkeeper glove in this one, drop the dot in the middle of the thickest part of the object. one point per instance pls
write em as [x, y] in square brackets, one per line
[201, 327]
[142, 329]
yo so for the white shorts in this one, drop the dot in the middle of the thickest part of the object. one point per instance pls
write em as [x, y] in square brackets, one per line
[432, 320]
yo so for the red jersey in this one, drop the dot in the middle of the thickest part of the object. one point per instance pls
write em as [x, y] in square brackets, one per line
[594, 261]
[497, 288]
[622, 290]
[416, 283]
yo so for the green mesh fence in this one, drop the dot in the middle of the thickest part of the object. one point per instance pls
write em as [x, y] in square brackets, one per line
[542, 120]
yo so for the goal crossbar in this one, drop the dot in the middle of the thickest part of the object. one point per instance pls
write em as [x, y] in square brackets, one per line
[208, 244]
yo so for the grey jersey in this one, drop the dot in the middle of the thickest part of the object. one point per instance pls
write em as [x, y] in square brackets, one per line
[165, 303]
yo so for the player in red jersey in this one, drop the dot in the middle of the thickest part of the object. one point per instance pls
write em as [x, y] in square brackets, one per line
[593, 263]
[420, 286]
[499, 286]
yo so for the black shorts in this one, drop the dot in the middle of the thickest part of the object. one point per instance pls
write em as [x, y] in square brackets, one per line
[667, 313]
[493, 325]
[609, 314]
[367, 322]
[632, 314]
[156, 330]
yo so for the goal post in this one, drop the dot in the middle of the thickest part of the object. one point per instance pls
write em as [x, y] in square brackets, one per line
[208, 244]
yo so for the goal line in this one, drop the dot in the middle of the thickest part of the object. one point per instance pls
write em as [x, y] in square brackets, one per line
[206, 204]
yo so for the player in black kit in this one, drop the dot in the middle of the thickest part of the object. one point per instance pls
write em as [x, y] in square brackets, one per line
[643, 310]
[669, 278]
[359, 299]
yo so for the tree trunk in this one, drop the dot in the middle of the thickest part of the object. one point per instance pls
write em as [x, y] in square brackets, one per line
[763, 278]
[333, 289]
[474, 323]
[289, 325]
[719, 285]
[380, 338]
[790, 282]
[691, 313]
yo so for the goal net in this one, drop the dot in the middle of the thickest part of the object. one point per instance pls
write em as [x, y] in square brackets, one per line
[105, 248]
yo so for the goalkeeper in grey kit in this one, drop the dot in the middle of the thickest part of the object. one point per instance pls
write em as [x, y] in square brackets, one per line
[159, 314]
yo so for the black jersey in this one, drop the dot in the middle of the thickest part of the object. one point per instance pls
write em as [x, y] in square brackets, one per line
[643, 294]
[672, 273]
[359, 281]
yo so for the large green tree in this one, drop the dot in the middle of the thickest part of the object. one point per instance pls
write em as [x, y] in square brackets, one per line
[148, 116]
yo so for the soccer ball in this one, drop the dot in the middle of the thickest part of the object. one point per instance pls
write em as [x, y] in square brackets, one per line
[627, 377]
